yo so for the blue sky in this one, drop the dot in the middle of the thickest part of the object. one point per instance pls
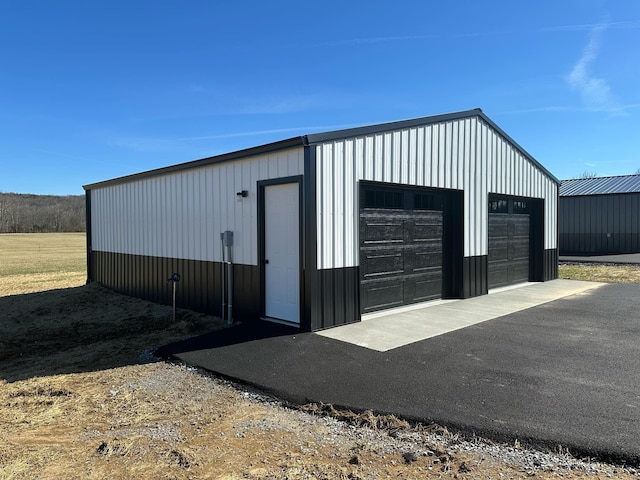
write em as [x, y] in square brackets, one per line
[91, 90]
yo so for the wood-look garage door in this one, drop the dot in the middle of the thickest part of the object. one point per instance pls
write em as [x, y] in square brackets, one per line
[508, 249]
[400, 257]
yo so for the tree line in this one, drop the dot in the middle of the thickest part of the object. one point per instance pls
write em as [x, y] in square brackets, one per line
[26, 213]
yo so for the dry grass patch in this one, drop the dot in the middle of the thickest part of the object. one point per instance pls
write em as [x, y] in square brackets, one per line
[40, 282]
[600, 273]
[36, 262]
[36, 253]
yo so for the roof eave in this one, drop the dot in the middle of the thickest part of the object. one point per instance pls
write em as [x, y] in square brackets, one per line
[517, 145]
[203, 162]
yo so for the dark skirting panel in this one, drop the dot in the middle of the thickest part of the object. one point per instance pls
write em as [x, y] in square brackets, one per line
[199, 288]
[337, 297]
[246, 284]
[474, 276]
[550, 264]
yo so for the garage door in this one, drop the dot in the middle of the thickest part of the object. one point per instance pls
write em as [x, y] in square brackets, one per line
[400, 257]
[509, 245]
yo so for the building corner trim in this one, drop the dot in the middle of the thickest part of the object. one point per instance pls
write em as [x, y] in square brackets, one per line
[87, 200]
[310, 235]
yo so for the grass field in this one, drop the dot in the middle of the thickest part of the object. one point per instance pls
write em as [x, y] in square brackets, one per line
[601, 273]
[35, 262]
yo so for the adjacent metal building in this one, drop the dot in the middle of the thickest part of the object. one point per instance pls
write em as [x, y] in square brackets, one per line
[327, 227]
[600, 215]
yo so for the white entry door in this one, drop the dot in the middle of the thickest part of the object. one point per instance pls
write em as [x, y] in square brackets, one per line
[282, 252]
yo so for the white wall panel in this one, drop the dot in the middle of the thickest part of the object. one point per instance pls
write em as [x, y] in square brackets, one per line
[181, 215]
[350, 201]
[339, 200]
[465, 154]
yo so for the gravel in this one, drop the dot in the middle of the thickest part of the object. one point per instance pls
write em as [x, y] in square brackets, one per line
[419, 440]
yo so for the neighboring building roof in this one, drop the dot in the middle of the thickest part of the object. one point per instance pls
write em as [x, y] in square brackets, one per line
[314, 138]
[600, 185]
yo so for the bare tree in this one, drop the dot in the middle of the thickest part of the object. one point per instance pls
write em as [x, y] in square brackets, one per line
[21, 213]
[587, 174]
[4, 213]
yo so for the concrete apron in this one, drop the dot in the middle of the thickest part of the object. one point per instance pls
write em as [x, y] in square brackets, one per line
[383, 331]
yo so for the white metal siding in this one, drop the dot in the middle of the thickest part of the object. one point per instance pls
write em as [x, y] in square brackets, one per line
[181, 215]
[465, 154]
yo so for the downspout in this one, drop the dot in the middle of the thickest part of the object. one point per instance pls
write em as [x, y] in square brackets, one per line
[226, 242]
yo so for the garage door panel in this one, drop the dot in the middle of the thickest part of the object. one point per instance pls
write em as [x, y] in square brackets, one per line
[423, 287]
[519, 226]
[520, 230]
[425, 260]
[381, 261]
[425, 233]
[498, 253]
[498, 274]
[423, 226]
[508, 249]
[400, 257]
[383, 232]
[519, 251]
[519, 271]
[380, 294]
[381, 226]
[498, 227]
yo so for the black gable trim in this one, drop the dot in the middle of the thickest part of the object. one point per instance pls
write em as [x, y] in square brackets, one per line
[383, 127]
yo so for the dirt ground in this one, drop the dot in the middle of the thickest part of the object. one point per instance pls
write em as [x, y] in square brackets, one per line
[81, 396]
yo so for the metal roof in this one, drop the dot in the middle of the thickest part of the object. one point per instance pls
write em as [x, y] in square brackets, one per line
[600, 185]
[314, 138]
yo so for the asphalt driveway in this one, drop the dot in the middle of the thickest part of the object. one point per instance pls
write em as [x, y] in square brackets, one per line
[563, 373]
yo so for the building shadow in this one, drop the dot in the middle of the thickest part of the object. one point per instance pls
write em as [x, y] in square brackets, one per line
[236, 334]
[87, 328]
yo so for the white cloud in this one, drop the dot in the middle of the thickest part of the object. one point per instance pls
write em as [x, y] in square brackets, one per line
[595, 92]
[487, 33]
[590, 26]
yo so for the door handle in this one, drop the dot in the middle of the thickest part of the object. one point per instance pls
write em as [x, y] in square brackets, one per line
[266, 261]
